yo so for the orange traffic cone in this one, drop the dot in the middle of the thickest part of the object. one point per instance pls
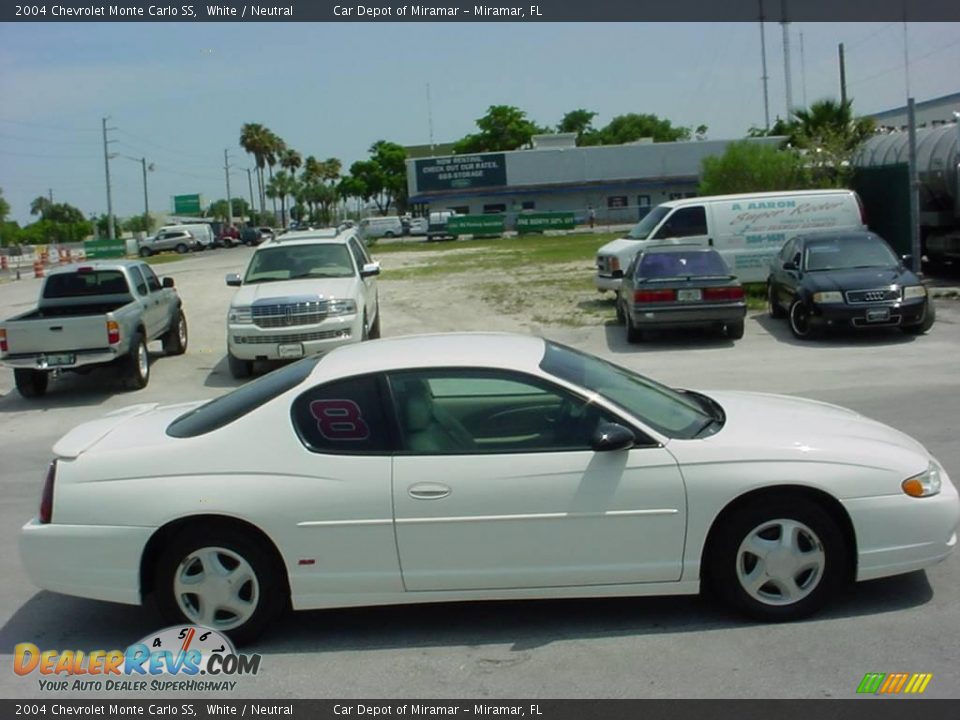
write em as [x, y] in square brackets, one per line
[38, 268]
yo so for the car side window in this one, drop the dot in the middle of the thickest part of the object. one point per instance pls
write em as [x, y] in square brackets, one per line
[138, 280]
[152, 282]
[342, 417]
[467, 412]
[685, 222]
[359, 255]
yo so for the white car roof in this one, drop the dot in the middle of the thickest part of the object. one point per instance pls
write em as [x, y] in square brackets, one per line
[486, 350]
[329, 235]
[700, 200]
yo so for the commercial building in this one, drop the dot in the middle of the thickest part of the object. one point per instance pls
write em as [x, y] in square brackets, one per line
[929, 113]
[619, 183]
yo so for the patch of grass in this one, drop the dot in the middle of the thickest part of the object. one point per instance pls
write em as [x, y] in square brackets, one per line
[163, 259]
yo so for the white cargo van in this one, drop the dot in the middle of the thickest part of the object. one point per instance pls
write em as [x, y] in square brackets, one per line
[378, 227]
[201, 232]
[747, 230]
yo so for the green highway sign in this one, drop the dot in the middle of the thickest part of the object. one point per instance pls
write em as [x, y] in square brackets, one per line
[186, 204]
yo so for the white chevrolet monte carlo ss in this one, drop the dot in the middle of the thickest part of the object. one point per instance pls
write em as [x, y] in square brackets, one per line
[479, 466]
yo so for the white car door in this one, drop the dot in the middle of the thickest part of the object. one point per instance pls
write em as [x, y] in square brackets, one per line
[361, 257]
[496, 487]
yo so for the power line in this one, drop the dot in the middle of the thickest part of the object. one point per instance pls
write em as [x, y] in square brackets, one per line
[898, 66]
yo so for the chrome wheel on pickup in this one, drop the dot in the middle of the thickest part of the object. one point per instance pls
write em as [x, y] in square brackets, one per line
[137, 364]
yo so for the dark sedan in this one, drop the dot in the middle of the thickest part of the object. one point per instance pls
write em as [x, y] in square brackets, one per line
[680, 286]
[845, 279]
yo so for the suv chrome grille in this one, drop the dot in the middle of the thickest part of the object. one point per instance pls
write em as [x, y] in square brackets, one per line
[291, 338]
[872, 296]
[289, 314]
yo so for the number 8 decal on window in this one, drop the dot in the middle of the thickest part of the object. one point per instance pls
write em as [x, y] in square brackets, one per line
[339, 420]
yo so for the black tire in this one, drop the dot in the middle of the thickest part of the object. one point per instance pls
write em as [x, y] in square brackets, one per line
[260, 599]
[227, 243]
[634, 334]
[734, 330]
[182, 249]
[818, 539]
[175, 339]
[929, 316]
[239, 369]
[389, 234]
[31, 383]
[145, 252]
[773, 307]
[799, 321]
[621, 315]
[136, 365]
[374, 331]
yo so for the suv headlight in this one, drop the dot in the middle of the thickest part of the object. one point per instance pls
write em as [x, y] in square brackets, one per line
[925, 484]
[240, 316]
[914, 291]
[341, 307]
[828, 297]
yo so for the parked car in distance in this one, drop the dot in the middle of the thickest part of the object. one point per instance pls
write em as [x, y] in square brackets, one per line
[94, 313]
[302, 294]
[229, 236]
[253, 236]
[748, 229]
[418, 226]
[675, 286]
[201, 232]
[467, 467]
[179, 240]
[389, 226]
[846, 280]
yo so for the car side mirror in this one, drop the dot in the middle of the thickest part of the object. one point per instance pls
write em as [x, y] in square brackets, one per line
[611, 436]
[907, 260]
[233, 279]
[789, 265]
[167, 282]
[370, 269]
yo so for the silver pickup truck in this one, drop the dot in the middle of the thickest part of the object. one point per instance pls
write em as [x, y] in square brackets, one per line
[92, 314]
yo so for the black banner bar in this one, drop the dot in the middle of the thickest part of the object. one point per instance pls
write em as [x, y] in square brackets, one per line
[501, 11]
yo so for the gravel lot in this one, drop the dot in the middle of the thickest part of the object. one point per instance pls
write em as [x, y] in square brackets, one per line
[669, 647]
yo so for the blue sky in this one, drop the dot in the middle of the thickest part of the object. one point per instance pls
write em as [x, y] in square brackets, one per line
[179, 93]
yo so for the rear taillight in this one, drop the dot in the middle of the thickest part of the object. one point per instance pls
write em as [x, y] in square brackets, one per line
[3, 340]
[113, 332]
[723, 293]
[46, 498]
[649, 296]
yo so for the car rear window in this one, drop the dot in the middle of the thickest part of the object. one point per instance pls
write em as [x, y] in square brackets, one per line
[699, 263]
[227, 408]
[84, 283]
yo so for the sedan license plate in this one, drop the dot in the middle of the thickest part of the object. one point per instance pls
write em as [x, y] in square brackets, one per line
[878, 315]
[689, 295]
[290, 350]
[61, 359]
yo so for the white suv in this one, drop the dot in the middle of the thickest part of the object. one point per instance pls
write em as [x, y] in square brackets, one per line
[303, 293]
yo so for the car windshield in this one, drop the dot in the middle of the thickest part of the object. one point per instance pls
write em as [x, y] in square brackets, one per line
[667, 411]
[304, 261]
[692, 263]
[225, 409]
[643, 229]
[848, 253]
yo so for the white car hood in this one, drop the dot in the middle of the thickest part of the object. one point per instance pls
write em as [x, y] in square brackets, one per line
[779, 427]
[319, 288]
[619, 247]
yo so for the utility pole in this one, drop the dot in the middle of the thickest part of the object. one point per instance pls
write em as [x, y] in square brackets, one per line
[843, 77]
[914, 186]
[803, 72]
[226, 170]
[785, 24]
[250, 183]
[111, 233]
[763, 58]
[430, 117]
[50, 195]
[146, 202]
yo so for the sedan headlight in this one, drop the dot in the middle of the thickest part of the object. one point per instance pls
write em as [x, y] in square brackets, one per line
[341, 307]
[914, 291]
[240, 316]
[925, 484]
[828, 297]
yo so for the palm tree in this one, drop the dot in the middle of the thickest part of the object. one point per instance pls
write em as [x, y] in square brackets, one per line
[282, 185]
[40, 206]
[256, 140]
[829, 134]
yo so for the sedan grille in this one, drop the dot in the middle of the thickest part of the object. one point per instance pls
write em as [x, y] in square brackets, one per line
[289, 314]
[872, 296]
[290, 338]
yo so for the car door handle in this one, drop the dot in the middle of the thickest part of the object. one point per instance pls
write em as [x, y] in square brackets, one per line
[428, 491]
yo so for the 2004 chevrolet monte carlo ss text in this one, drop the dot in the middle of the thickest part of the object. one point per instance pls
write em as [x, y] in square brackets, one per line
[479, 466]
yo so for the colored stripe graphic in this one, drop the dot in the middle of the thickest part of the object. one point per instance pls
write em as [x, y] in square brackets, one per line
[894, 683]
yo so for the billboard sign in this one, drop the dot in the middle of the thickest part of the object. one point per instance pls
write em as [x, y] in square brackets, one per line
[456, 172]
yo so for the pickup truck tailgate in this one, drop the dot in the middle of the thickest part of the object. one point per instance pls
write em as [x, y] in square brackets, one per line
[57, 334]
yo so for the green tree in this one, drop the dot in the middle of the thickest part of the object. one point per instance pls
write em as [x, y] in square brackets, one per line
[578, 121]
[748, 166]
[280, 187]
[218, 209]
[504, 127]
[828, 134]
[382, 178]
[40, 206]
[137, 223]
[257, 140]
[633, 126]
[4, 208]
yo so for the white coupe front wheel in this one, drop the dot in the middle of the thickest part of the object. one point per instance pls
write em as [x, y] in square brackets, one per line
[217, 588]
[780, 562]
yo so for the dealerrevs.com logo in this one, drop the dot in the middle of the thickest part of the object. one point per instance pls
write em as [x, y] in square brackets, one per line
[894, 683]
[181, 658]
